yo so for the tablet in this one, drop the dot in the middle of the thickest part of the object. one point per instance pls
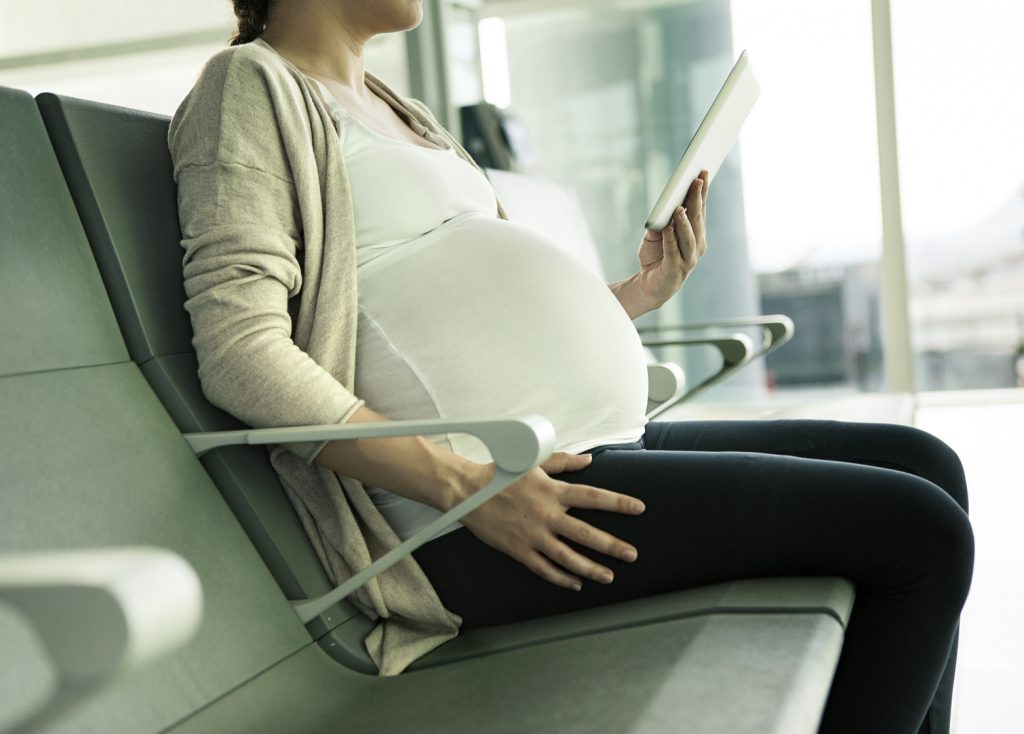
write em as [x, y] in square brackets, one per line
[712, 141]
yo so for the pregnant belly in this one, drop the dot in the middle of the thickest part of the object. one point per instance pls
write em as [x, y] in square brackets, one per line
[481, 318]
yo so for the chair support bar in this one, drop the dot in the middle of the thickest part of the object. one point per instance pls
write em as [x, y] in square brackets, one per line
[777, 329]
[736, 350]
[517, 445]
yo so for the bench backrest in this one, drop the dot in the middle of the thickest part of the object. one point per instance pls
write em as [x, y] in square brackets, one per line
[118, 167]
[91, 458]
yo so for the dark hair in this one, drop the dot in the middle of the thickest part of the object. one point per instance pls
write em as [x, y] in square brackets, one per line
[252, 18]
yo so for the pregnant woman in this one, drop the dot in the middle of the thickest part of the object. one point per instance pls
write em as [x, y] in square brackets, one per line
[346, 261]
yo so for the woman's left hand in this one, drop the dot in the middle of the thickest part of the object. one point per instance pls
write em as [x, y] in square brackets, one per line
[667, 257]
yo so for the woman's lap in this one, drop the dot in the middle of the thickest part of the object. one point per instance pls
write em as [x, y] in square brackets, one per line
[800, 498]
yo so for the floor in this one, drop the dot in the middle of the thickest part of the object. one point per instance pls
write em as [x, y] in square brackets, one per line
[986, 428]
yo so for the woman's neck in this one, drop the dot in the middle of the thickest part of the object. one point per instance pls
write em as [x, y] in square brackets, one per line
[321, 44]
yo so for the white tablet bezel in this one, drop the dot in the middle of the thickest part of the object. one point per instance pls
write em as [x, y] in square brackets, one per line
[713, 140]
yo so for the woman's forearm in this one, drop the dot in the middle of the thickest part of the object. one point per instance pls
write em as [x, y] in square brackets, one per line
[410, 466]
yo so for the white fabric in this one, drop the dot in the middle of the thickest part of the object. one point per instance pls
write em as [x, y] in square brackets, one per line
[434, 184]
[465, 315]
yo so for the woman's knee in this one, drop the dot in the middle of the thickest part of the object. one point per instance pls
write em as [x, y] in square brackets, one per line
[927, 456]
[944, 540]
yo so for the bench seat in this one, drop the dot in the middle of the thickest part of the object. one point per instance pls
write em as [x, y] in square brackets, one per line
[708, 674]
[93, 458]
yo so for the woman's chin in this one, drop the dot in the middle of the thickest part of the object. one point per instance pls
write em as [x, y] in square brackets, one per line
[416, 10]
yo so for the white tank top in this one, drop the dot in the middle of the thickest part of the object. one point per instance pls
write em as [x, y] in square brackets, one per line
[463, 315]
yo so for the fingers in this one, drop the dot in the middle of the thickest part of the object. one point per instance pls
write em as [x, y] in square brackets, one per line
[587, 535]
[566, 558]
[670, 241]
[697, 196]
[684, 238]
[594, 498]
[694, 198]
[550, 572]
[563, 462]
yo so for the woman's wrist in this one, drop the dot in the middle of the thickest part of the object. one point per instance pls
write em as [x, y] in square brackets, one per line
[410, 466]
[632, 297]
[459, 478]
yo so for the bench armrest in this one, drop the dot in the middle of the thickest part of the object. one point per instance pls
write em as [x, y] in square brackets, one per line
[104, 610]
[98, 613]
[665, 381]
[776, 329]
[517, 445]
[736, 350]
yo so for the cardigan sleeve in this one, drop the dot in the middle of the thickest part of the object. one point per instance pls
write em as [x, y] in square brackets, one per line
[237, 206]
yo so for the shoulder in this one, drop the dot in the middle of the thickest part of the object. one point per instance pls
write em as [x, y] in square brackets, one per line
[248, 66]
[241, 89]
[248, 70]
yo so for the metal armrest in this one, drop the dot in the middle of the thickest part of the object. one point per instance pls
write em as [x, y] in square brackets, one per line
[100, 612]
[665, 381]
[517, 445]
[736, 350]
[776, 329]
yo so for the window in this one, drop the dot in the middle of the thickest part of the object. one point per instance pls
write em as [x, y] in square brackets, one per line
[958, 76]
[610, 94]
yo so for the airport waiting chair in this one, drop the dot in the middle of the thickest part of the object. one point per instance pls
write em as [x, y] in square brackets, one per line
[554, 211]
[93, 458]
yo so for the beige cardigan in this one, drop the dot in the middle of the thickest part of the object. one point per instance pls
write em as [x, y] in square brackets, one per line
[270, 274]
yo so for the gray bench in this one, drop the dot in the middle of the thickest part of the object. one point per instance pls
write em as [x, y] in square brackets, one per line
[95, 456]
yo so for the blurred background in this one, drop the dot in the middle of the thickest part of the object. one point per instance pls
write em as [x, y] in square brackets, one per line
[603, 95]
[877, 199]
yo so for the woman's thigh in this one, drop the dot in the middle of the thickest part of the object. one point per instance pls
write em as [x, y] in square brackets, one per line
[715, 516]
[885, 445]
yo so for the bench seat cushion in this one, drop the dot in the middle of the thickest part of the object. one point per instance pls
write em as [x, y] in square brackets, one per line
[736, 673]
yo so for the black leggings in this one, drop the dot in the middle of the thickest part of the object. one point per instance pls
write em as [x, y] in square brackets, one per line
[884, 506]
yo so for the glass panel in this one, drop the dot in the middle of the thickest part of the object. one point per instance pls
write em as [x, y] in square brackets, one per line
[959, 75]
[463, 53]
[810, 185]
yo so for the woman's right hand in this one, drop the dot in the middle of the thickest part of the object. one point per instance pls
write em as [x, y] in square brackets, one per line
[528, 521]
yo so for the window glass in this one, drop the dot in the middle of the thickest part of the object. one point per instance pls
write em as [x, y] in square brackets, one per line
[958, 75]
[811, 190]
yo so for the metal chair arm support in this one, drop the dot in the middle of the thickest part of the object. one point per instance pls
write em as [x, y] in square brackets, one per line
[736, 351]
[776, 329]
[517, 445]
